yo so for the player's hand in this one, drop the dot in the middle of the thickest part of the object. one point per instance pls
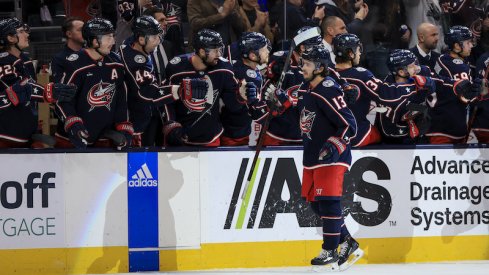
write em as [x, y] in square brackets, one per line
[331, 150]
[424, 84]
[275, 96]
[59, 92]
[193, 89]
[350, 93]
[76, 131]
[274, 69]
[173, 133]
[251, 93]
[126, 129]
[20, 92]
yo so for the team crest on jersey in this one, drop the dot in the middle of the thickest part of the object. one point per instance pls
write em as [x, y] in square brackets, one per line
[251, 73]
[72, 57]
[101, 95]
[328, 83]
[139, 59]
[361, 69]
[307, 120]
[175, 60]
[458, 61]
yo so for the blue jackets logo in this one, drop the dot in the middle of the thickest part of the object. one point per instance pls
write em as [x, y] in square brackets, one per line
[143, 178]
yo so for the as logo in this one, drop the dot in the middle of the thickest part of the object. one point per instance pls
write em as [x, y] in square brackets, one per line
[101, 95]
[280, 187]
[143, 178]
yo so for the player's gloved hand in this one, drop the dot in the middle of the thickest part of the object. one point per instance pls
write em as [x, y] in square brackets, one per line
[76, 131]
[126, 129]
[274, 69]
[59, 92]
[424, 84]
[331, 150]
[20, 92]
[275, 96]
[350, 93]
[173, 133]
[251, 93]
[193, 89]
[465, 90]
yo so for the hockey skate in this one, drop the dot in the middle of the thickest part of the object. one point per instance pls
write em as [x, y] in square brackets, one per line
[326, 261]
[350, 252]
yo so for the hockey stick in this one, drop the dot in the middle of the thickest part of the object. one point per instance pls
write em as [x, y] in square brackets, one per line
[476, 109]
[310, 33]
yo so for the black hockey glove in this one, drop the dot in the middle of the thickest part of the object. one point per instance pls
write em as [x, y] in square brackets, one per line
[331, 150]
[59, 92]
[193, 89]
[173, 133]
[467, 91]
[350, 93]
[76, 131]
[20, 92]
[274, 69]
[251, 93]
[126, 129]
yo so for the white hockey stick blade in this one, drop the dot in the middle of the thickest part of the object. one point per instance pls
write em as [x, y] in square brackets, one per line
[326, 268]
[354, 257]
[303, 36]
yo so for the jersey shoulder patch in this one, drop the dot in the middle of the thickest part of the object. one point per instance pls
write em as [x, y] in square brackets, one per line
[175, 60]
[279, 53]
[140, 59]
[72, 57]
[4, 54]
[328, 83]
[361, 69]
[458, 61]
[251, 73]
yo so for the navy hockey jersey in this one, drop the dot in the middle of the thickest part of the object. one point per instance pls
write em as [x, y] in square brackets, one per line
[17, 123]
[202, 125]
[285, 126]
[449, 114]
[145, 95]
[59, 63]
[323, 114]
[374, 89]
[101, 97]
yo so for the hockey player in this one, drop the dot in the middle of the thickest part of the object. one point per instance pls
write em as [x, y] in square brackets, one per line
[348, 50]
[99, 108]
[327, 126]
[401, 125]
[197, 122]
[283, 129]
[449, 114]
[145, 94]
[72, 32]
[19, 93]
[254, 48]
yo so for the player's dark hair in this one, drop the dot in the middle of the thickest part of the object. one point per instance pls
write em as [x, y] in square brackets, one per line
[68, 25]
[152, 11]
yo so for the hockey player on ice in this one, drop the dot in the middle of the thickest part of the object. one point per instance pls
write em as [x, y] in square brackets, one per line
[327, 126]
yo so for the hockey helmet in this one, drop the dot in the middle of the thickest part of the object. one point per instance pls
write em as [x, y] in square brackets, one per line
[346, 42]
[313, 41]
[319, 55]
[400, 59]
[457, 34]
[146, 25]
[8, 27]
[252, 42]
[96, 27]
[208, 39]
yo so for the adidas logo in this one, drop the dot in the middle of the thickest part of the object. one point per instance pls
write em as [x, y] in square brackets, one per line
[143, 178]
